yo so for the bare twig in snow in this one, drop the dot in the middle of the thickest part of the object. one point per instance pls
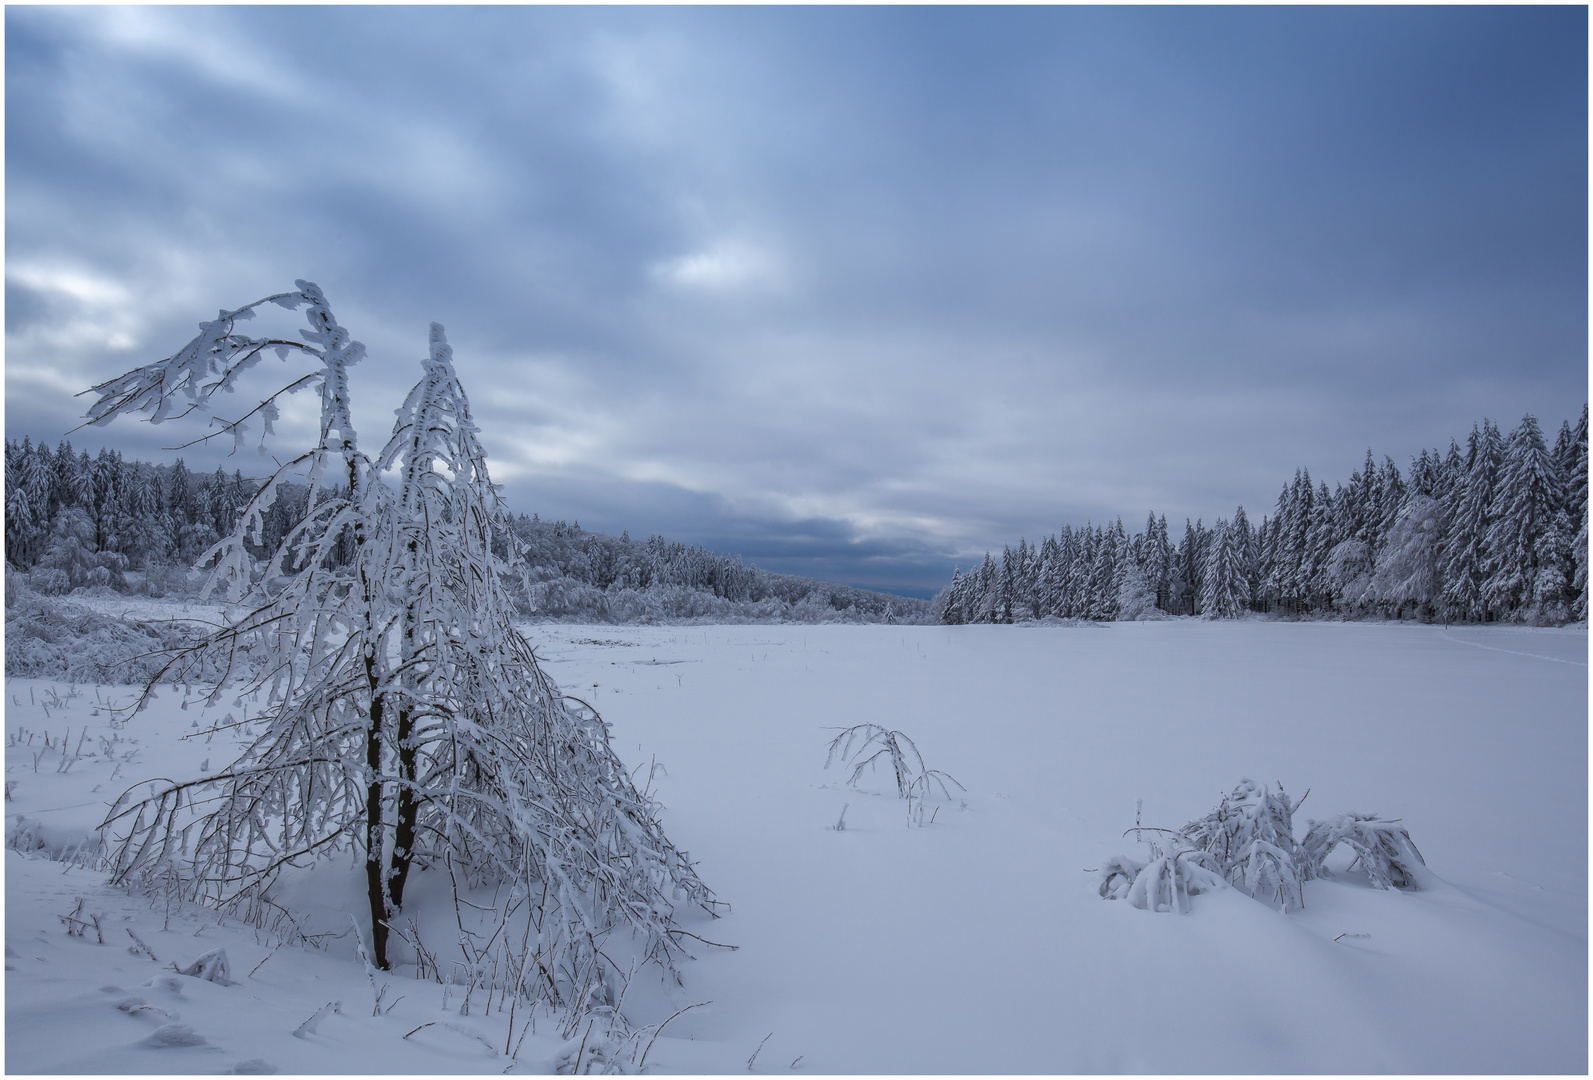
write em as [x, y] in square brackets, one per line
[755, 1053]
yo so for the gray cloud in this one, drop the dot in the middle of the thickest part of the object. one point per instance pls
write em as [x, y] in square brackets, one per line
[865, 291]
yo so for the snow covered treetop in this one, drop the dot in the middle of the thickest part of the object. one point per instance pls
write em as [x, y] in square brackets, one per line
[219, 355]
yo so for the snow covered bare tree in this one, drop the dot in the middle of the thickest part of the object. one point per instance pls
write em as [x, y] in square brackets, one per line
[405, 716]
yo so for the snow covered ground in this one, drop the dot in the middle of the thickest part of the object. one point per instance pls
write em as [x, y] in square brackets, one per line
[975, 944]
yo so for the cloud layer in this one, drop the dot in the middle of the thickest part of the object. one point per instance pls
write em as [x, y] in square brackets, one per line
[855, 292]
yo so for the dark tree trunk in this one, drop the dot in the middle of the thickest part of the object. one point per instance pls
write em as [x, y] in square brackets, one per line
[375, 879]
[408, 810]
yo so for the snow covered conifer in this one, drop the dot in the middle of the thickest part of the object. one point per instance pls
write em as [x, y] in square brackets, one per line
[1321, 539]
[1190, 569]
[1225, 592]
[72, 551]
[1135, 599]
[1298, 570]
[1348, 575]
[1407, 573]
[1576, 500]
[1470, 516]
[1081, 549]
[948, 602]
[1526, 541]
[1102, 578]
[987, 605]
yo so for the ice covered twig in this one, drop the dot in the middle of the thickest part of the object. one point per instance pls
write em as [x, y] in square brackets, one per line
[861, 747]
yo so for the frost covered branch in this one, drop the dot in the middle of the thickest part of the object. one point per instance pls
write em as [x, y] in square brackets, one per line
[913, 781]
[404, 716]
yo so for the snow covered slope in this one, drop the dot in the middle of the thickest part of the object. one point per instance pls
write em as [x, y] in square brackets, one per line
[974, 944]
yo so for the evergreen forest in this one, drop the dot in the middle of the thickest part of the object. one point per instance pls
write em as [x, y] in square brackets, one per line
[1492, 531]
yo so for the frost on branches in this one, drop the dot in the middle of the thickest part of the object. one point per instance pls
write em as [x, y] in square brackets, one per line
[405, 716]
[1250, 834]
[1248, 842]
[1383, 849]
[1176, 871]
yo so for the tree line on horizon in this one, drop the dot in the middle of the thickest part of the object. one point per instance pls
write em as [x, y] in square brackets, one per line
[75, 520]
[1492, 531]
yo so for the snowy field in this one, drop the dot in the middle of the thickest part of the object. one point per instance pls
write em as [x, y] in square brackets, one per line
[974, 944]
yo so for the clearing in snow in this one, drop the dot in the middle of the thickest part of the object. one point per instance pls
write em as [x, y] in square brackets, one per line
[960, 932]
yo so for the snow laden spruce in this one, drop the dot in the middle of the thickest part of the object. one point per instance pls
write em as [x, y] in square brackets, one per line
[1247, 842]
[405, 718]
[1495, 531]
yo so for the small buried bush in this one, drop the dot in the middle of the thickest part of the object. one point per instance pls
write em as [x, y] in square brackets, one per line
[1383, 849]
[1250, 835]
[1248, 842]
[1117, 876]
[1176, 871]
[51, 637]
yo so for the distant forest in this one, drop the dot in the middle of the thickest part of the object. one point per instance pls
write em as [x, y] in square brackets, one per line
[1492, 531]
[75, 521]
[1495, 530]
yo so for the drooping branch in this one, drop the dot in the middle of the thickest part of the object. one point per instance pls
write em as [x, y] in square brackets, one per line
[400, 701]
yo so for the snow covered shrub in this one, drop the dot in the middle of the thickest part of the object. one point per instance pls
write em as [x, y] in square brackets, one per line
[1382, 848]
[1250, 835]
[50, 637]
[1117, 876]
[567, 597]
[48, 581]
[1248, 842]
[211, 967]
[404, 715]
[913, 781]
[1176, 871]
[58, 844]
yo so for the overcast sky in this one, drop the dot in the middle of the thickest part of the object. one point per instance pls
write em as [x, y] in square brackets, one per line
[857, 293]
